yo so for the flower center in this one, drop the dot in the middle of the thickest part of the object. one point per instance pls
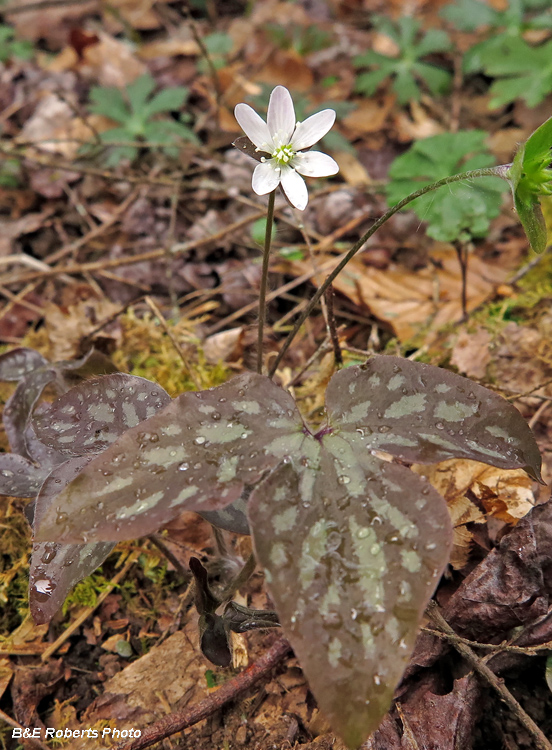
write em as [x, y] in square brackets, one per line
[283, 154]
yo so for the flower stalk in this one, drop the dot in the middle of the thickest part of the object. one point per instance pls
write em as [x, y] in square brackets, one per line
[264, 280]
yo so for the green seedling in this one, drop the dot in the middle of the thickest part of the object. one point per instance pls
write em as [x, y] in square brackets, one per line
[466, 209]
[408, 70]
[12, 48]
[138, 110]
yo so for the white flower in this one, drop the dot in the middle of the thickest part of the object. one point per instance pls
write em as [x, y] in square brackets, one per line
[285, 139]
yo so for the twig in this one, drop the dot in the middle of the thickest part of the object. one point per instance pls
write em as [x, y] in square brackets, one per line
[53, 647]
[483, 671]
[239, 684]
[16, 725]
[180, 351]
[100, 265]
[496, 647]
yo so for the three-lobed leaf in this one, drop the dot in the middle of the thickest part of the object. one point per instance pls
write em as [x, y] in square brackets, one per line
[352, 545]
[462, 210]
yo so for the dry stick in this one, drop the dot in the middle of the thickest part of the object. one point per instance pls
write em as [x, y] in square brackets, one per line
[101, 265]
[504, 647]
[239, 684]
[156, 311]
[16, 725]
[96, 231]
[484, 671]
[53, 647]
[11, 9]
[276, 293]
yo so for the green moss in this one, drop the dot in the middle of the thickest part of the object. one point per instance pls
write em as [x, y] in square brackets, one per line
[148, 352]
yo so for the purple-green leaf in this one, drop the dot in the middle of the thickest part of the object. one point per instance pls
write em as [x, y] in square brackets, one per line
[352, 551]
[197, 453]
[232, 518]
[56, 568]
[20, 405]
[17, 363]
[19, 477]
[426, 414]
[91, 416]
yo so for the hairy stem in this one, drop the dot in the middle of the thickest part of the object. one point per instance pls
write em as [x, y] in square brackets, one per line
[500, 171]
[264, 280]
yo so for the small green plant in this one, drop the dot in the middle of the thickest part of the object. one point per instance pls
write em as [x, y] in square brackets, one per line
[10, 173]
[137, 111]
[218, 45]
[302, 39]
[408, 70]
[11, 48]
[522, 70]
[466, 209]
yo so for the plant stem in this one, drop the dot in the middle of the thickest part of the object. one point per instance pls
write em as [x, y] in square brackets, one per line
[264, 280]
[499, 171]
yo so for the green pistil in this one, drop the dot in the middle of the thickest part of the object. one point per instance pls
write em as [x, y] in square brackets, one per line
[283, 155]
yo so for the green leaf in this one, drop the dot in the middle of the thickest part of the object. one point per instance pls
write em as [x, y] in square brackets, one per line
[406, 69]
[469, 15]
[139, 91]
[258, 230]
[460, 209]
[167, 100]
[530, 177]
[110, 103]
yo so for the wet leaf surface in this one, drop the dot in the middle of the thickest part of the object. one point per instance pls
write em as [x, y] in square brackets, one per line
[366, 543]
[197, 453]
[427, 414]
[95, 413]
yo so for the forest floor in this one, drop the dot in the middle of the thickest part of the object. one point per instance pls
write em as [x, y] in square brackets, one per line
[91, 233]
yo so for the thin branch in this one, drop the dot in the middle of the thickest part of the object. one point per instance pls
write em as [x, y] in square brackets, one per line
[487, 674]
[231, 690]
[179, 350]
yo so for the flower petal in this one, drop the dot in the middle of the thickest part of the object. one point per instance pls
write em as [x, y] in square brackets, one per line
[314, 128]
[281, 116]
[265, 177]
[315, 164]
[295, 188]
[254, 127]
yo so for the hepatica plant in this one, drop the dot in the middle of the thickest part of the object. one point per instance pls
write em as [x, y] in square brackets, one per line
[352, 544]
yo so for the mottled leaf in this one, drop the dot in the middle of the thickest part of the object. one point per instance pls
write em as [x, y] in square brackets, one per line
[20, 405]
[19, 477]
[19, 362]
[352, 551]
[232, 518]
[56, 568]
[197, 453]
[91, 416]
[426, 414]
